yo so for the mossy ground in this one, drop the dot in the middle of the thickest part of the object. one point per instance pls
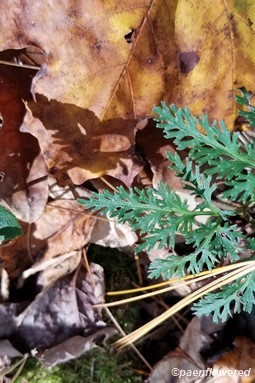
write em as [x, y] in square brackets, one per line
[100, 365]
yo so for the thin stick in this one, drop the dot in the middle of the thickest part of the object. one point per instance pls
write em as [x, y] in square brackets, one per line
[19, 369]
[29, 250]
[85, 259]
[80, 212]
[25, 66]
[138, 269]
[161, 302]
[122, 332]
[177, 283]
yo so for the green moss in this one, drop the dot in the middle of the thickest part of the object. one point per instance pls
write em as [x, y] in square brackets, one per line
[100, 365]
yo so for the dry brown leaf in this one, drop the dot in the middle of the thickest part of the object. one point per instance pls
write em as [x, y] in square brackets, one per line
[62, 310]
[23, 171]
[110, 233]
[185, 358]
[74, 347]
[63, 227]
[52, 269]
[77, 146]
[194, 53]
[154, 147]
[187, 52]
[241, 358]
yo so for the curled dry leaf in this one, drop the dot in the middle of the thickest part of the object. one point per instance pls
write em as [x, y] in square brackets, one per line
[23, 171]
[52, 269]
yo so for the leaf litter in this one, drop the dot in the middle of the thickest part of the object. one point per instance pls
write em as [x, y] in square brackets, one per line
[99, 78]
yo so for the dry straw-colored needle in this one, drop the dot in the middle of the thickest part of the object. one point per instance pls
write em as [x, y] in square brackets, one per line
[222, 281]
[208, 273]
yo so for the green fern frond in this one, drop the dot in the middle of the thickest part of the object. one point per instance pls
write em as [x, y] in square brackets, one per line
[214, 153]
[230, 299]
[157, 214]
[241, 189]
[213, 243]
[217, 148]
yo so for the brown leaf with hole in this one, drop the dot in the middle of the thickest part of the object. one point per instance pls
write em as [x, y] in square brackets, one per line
[23, 186]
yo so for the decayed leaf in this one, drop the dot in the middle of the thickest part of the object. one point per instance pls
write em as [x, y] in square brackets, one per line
[63, 227]
[23, 171]
[62, 310]
[74, 347]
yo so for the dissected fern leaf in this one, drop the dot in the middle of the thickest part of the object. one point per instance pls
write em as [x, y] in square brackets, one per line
[218, 148]
[230, 299]
[214, 154]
